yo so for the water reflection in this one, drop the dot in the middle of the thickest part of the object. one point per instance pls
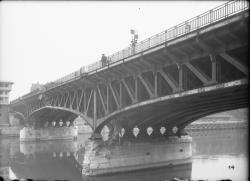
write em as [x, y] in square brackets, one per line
[213, 153]
[61, 160]
[217, 168]
[46, 166]
[220, 142]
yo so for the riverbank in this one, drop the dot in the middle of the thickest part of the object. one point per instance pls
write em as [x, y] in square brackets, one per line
[213, 125]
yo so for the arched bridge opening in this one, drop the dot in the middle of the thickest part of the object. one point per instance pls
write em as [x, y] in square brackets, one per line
[167, 113]
[52, 116]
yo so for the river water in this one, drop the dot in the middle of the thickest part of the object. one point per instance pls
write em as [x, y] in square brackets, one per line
[214, 152]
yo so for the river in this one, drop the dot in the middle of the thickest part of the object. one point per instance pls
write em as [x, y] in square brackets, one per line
[217, 154]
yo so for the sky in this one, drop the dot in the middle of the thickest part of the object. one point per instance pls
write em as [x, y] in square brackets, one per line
[43, 41]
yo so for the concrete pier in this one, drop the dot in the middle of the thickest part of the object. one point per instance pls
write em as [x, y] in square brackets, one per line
[49, 133]
[102, 159]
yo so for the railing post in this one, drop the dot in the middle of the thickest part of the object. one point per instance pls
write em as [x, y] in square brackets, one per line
[166, 38]
[211, 16]
[175, 32]
[226, 9]
[197, 24]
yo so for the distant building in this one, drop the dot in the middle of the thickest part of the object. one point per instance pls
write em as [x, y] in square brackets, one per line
[5, 88]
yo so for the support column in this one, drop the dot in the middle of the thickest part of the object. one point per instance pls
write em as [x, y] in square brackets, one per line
[108, 101]
[180, 68]
[136, 89]
[120, 92]
[156, 85]
[95, 110]
[214, 68]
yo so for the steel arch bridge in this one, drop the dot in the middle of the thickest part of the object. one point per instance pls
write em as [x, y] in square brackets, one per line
[192, 70]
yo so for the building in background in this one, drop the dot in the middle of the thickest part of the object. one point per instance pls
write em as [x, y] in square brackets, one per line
[5, 88]
[9, 124]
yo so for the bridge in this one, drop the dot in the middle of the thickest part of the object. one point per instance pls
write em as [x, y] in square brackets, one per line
[196, 68]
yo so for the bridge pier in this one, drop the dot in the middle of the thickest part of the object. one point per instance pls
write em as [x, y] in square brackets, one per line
[102, 158]
[135, 148]
[48, 133]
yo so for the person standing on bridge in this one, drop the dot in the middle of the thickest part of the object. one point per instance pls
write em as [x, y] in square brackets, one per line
[104, 60]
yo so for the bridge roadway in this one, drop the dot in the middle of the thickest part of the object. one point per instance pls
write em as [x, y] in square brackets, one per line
[194, 69]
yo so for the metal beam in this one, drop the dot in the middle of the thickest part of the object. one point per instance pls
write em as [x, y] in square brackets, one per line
[108, 108]
[214, 68]
[72, 99]
[95, 110]
[180, 68]
[235, 63]
[148, 87]
[197, 73]
[61, 102]
[65, 104]
[136, 89]
[169, 80]
[114, 95]
[80, 100]
[102, 101]
[156, 83]
[129, 91]
[90, 96]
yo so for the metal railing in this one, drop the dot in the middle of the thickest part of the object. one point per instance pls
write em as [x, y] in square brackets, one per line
[228, 9]
[223, 11]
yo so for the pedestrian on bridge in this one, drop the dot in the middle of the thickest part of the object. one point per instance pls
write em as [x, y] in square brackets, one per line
[104, 60]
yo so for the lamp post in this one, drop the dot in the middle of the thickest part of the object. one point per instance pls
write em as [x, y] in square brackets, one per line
[134, 37]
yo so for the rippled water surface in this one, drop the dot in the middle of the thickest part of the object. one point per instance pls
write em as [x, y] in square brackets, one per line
[213, 153]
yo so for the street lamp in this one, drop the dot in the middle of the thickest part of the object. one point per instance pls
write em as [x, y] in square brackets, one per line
[134, 37]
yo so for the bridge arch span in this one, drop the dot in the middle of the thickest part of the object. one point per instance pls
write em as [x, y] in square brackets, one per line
[183, 109]
[50, 113]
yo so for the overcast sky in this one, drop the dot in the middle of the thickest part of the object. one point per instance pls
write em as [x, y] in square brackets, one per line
[43, 41]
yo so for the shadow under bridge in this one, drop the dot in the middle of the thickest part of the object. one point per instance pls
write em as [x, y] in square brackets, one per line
[52, 116]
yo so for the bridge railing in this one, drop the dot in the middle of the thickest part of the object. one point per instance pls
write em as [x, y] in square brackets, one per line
[228, 9]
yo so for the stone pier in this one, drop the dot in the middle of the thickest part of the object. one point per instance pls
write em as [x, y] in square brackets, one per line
[49, 133]
[101, 158]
